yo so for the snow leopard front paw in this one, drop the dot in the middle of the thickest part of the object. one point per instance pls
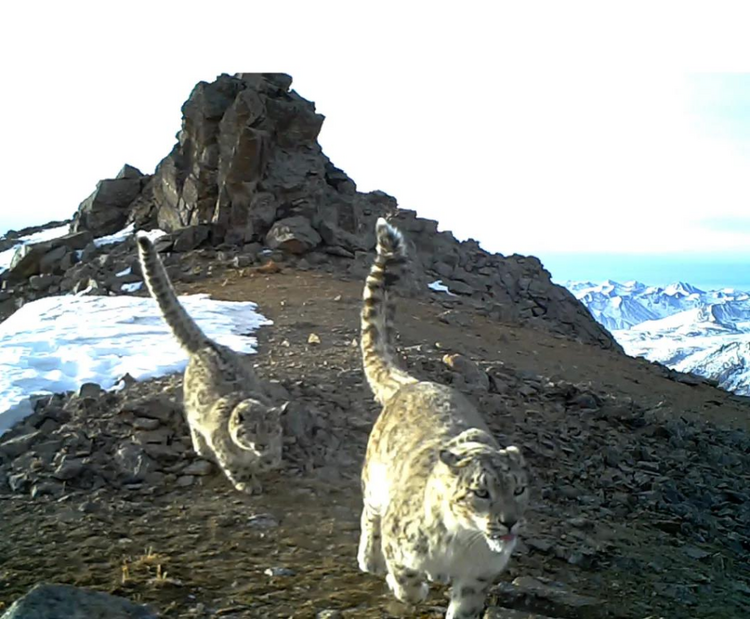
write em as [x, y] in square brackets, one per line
[249, 486]
[371, 562]
[407, 587]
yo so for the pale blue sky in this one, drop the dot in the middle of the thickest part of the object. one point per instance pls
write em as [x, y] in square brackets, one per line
[549, 129]
[708, 272]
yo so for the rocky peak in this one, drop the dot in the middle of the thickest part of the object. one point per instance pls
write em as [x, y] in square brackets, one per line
[247, 171]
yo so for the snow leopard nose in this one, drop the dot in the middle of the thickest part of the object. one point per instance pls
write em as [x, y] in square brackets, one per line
[508, 523]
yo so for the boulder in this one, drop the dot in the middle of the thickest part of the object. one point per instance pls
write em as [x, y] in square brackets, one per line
[472, 374]
[190, 237]
[46, 257]
[48, 601]
[294, 234]
[106, 210]
[129, 172]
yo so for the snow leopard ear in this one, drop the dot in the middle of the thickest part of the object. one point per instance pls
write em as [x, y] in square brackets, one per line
[514, 454]
[449, 458]
[278, 411]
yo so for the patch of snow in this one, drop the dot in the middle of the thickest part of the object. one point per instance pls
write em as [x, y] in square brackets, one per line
[58, 343]
[124, 272]
[83, 292]
[43, 235]
[126, 233]
[131, 287]
[117, 237]
[439, 286]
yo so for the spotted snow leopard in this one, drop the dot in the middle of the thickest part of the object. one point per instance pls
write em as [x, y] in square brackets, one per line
[231, 420]
[442, 500]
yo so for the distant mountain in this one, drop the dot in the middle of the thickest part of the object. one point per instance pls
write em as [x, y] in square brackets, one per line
[686, 328]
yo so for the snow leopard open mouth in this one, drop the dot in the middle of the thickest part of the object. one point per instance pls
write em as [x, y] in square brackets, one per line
[508, 537]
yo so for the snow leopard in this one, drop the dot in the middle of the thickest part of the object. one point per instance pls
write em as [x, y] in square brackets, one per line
[230, 417]
[443, 501]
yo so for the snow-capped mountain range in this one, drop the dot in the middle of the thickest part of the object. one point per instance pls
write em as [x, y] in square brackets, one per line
[706, 332]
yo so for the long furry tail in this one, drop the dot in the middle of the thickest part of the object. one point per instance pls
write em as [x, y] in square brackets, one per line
[378, 351]
[188, 333]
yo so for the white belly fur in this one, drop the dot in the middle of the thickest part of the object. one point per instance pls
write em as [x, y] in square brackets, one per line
[466, 558]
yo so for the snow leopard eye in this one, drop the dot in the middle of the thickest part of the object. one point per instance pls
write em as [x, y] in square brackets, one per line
[481, 493]
[519, 490]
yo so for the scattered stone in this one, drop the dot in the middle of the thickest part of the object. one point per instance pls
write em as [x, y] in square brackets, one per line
[585, 401]
[19, 482]
[145, 423]
[18, 445]
[184, 481]
[133, 462]
[48, 488]
[69, 468]
[541, 545]
[240, 262]
[454, 317]
[470, 371]
[262, 521]
[199, 468]
[529, 594]
[190, 237]
[293, 234]
[696, 553]
[160, 408]
[276, 572]
[41, 282]
[89, 390]
[313, 339]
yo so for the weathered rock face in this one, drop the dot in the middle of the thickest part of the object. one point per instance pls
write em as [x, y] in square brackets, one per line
[48, 257]
[106, 210]
[248, 168]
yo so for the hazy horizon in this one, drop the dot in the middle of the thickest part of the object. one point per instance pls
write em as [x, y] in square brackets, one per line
[704, 272]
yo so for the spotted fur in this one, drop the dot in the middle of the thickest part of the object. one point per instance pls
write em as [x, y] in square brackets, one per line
[231, 420]
[379, 355]
[443, 502]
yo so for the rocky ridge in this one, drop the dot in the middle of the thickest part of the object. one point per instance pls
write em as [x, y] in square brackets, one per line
[246, 173]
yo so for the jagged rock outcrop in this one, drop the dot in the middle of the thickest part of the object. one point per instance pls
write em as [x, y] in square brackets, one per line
[47, 257]
[247, 168]
[106, 210]
[248, 171]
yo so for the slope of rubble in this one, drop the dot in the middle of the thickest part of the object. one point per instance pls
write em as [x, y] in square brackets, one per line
[639, 507]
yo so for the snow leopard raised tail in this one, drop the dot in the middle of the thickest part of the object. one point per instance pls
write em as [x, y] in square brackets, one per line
[230, 417]
[443, 501]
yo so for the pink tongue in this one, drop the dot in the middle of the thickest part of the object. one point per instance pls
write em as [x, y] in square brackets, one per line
[508, 538]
